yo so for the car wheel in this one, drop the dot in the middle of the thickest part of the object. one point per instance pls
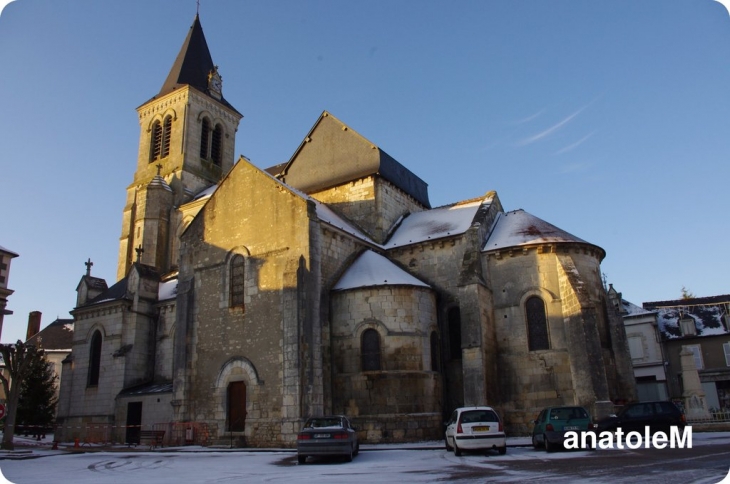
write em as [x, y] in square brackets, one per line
[302, 459]
[448, 447]
[348, 457]
[357, 448]
[457, 450]
[549, 446]
[535, 443]
[502, 450]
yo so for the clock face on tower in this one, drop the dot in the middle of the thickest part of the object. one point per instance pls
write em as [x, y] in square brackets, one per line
[215, 84]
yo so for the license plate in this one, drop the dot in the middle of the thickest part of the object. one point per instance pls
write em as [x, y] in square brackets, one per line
[480, 429]
[321, 436]
[571, 427]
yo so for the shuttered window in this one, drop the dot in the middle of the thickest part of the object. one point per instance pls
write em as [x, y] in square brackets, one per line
[216, 146]
[204, 138]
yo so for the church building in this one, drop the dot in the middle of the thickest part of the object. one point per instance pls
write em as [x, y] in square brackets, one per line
[248, 300]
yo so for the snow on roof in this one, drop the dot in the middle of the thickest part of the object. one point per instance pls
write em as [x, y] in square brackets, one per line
[435, 224]
[517, 228]
[708, 320]
[167, 290]
[325, 214]
[206, 193]
[630, 309]
[371, 269]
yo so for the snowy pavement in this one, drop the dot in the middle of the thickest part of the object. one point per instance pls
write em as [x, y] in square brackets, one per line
[423, 462]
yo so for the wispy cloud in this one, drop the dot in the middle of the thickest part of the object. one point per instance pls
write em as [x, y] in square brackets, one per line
[574, 145]
[550, 130]
[529, 118]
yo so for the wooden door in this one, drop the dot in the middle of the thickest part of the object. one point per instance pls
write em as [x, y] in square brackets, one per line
[236, 406]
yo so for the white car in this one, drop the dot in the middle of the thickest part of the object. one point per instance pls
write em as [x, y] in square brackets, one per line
[475, 428]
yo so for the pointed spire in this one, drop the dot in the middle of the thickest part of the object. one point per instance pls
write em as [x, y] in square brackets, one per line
[193, 63]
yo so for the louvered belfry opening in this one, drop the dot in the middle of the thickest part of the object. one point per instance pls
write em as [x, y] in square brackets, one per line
[204, 136]
[216, 145]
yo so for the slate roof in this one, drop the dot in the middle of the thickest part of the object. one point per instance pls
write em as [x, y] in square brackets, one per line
[8, 251]
[93, 282]
[56, 336]
[117, 291]
[327, 173]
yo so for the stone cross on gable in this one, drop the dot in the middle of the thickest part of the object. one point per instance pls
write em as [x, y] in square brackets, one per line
[159, 168]
[139, 250]
[88, 265]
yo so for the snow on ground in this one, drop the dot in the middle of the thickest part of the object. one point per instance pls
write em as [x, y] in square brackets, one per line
[422, 462]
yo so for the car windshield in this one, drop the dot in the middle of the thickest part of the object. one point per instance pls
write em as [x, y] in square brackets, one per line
[568, 413]
[318, 423]
[479, 416]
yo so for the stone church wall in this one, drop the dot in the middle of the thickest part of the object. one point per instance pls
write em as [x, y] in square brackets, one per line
[98, 402]
[164, 341]
[402, 401]
[371, 203]
[272, 233]
[529, 380]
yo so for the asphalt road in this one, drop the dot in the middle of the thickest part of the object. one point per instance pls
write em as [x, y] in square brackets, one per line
[700, 464]
[706, 463]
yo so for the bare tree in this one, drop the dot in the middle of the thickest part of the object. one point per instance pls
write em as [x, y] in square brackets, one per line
[17, 359]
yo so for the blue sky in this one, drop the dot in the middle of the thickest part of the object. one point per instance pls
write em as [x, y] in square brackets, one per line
[610, 120]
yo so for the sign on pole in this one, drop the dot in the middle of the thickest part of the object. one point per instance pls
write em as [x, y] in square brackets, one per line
[2, 410]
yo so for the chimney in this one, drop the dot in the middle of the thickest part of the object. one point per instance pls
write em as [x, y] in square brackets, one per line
[34, 324]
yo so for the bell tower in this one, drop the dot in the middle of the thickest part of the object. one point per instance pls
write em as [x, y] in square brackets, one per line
[186, 144]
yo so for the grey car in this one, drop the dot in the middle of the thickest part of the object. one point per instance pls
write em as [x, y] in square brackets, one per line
[327, 436]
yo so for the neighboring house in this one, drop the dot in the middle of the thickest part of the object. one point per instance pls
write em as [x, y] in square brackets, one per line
[645, 347]
[5, 257]
[56, 339]
[703, 326]
[247, 300]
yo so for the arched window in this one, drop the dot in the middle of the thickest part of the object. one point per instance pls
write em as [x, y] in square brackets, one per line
[238, 276]
[537, 330]
[95, 359]
[434, 351]
[204, 138]
[211, 142]
[454, 320]
[216, 146]
[370, 350]
[160, 142]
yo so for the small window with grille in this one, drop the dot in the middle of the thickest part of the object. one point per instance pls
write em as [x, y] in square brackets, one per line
[237, 285]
